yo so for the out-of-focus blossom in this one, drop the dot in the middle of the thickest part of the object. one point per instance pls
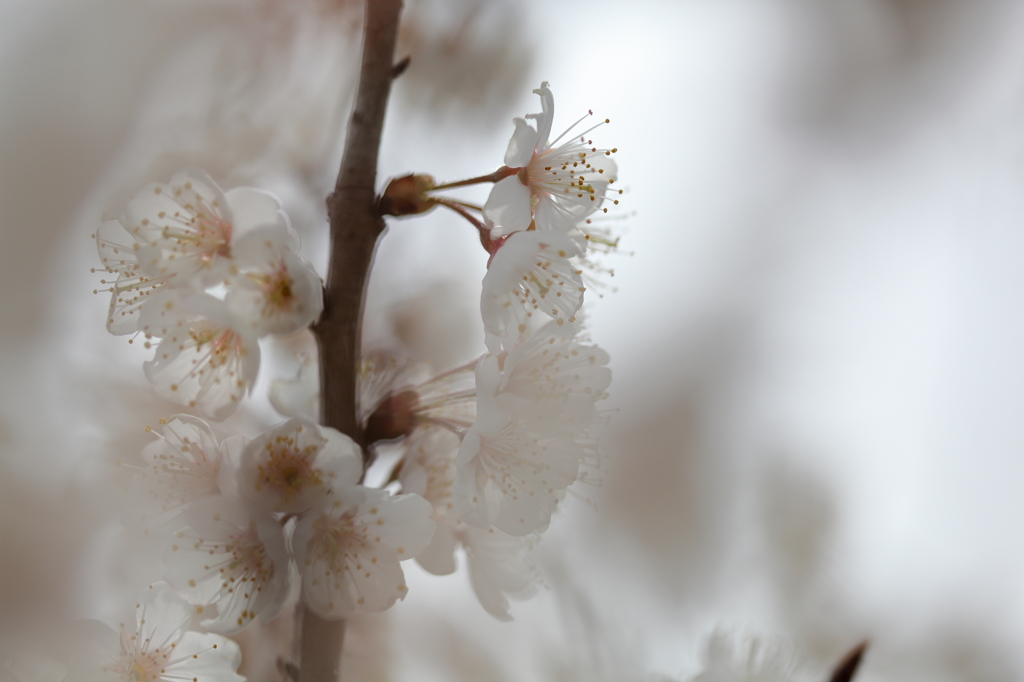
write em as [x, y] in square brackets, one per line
[498, 563]
[753, 660]
[511, 476]
[206, 358]
[183, 464]
[159, 648]
[548, 378]
[230, 558]
[300, 395]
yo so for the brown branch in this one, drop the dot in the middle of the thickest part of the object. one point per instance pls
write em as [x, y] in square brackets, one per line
[847, 667]
[355, 228]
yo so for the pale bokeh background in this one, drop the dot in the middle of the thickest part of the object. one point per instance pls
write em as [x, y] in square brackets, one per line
[817, 341]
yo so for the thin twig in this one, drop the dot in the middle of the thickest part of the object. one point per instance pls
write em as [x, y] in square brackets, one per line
[355, 228]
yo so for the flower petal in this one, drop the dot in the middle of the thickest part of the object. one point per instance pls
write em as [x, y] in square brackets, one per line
[508, 207]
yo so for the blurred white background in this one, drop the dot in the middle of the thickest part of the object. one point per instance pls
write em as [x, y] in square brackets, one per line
[817, 337]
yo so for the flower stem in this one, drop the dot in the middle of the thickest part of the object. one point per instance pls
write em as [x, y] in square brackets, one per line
[355, 226]
[497, 175]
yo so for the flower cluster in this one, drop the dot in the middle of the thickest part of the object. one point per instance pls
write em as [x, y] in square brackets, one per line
[240, 513]
[489, 449]
[206, 272]
[496, 478]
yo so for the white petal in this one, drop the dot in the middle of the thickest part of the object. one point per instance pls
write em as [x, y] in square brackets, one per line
[498, 568]
[254, 208]
[274, 291]
[298, 397]
[508, 206]
[203, 360]
[522, 145]
[552, 215]
[531, 276]
[547, 115]
[439, 557]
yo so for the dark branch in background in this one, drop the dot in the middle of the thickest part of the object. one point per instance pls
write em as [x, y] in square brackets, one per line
[355, 227]
[847, 668]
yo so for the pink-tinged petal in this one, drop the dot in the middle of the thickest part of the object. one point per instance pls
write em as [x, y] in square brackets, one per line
[508, 207]
[274, 291]
[522, 145]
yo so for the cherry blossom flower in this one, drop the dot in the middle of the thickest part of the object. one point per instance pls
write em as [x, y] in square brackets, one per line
[498, 563]
[206, 358]
[159, 648]
[511, 475]
[229, 558]
[428, 470]
[132, 288]
[349, 550]
[530, 273]
[753, 660]
[188, 227]
[291, 467]
[183, 464]
[553, 187]
[274, 290]
[546, 378]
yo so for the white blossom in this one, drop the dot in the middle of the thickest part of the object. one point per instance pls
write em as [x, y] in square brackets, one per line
[513, 476]
[187, 228]
[554, 187]
[272, 289]
[206, 359]
[183, 464]
[349, 550]
[498, 563]
[291, 467]
[753, 660]
[549, 377]
[428, 470]
[230, 558]
[499, 568]
[159, 648]
[530, 273]
[131, 288]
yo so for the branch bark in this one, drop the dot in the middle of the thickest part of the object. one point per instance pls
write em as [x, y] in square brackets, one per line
[355, 227]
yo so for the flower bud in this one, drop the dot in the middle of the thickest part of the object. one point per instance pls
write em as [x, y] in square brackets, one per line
[407, 196]
[395, 417]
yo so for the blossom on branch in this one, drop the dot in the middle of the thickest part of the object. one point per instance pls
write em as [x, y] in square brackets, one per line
[498, 563]
[350, 548]
[552, 187]
[159, 648]
[187, 228]
[292, 467]
[184, 464]
[206, 358]
[272, 289]
[530, 273]
[231, 558]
